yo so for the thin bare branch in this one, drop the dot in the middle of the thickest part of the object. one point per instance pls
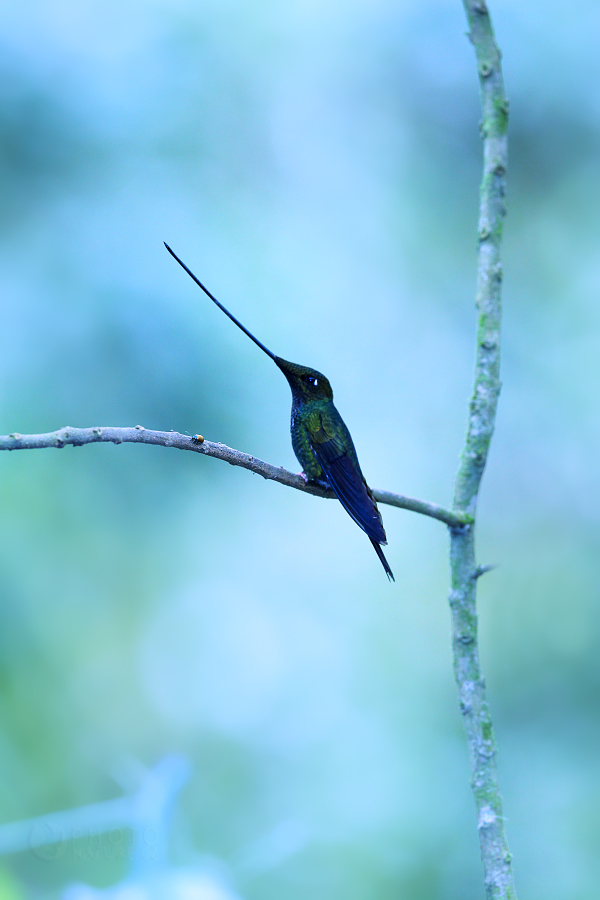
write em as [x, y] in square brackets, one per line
[197, 444]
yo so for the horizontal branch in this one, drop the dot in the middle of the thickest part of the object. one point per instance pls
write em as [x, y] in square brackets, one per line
[140, 435]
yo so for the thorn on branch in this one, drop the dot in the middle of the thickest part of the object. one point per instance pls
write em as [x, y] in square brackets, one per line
[481, 570]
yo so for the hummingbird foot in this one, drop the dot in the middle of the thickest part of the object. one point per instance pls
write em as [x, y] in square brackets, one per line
[319, 482]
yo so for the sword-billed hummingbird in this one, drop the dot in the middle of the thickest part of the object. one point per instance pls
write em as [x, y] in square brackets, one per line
[320, 439]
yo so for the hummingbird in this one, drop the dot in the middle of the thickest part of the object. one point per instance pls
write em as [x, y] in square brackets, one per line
[320, 439]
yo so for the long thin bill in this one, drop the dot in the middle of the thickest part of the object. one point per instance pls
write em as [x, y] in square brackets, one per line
[220, 305]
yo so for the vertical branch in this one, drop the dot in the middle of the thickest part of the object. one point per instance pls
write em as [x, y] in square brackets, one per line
[495, 854]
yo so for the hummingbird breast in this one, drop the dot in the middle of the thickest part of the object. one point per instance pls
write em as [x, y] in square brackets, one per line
[301, 445]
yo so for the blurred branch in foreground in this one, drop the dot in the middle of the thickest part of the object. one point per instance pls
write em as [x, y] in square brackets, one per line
[495, 854]
[140, 435]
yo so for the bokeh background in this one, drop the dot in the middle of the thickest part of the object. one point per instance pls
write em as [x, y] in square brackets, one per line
[317, 165]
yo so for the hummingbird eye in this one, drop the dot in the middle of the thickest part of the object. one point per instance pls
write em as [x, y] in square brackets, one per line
[312, 380]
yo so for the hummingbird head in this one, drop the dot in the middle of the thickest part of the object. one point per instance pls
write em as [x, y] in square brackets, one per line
[306, 384]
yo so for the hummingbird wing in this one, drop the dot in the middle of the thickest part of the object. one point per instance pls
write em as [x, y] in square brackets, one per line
[329, 440]
[332, 446]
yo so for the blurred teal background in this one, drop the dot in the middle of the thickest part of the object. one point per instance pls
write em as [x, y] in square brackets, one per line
[317, 165]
